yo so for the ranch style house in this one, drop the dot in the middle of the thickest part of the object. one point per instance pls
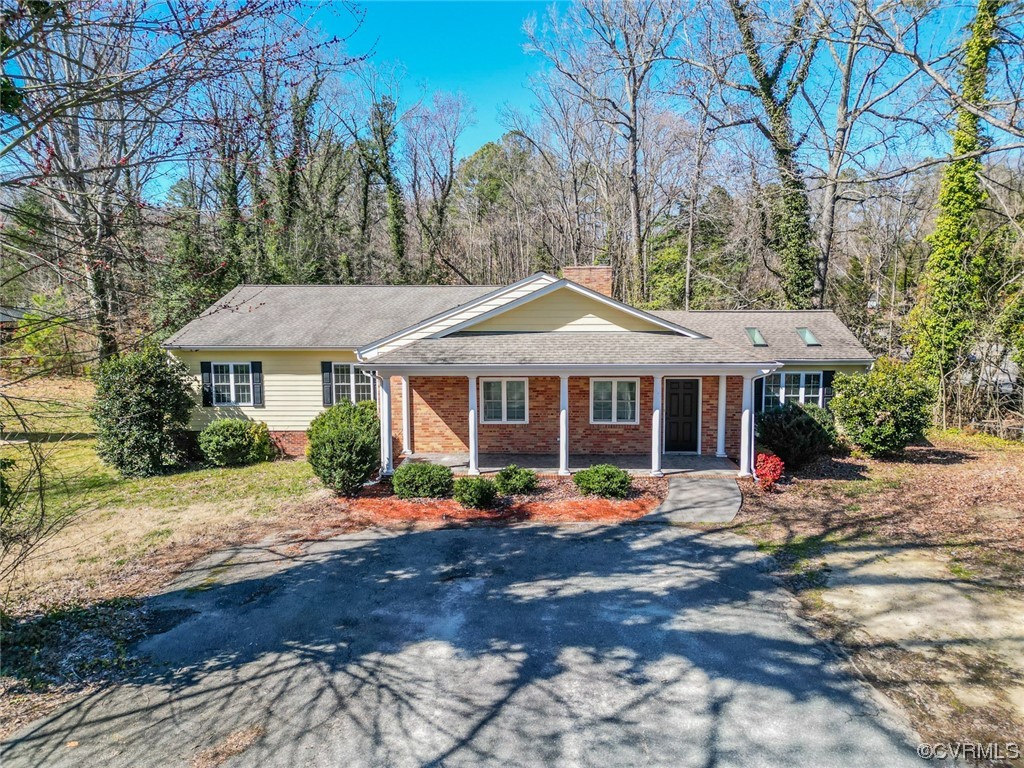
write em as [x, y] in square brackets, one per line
[553, 369]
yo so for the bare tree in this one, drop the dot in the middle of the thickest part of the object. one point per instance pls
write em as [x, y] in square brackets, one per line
[610, 55]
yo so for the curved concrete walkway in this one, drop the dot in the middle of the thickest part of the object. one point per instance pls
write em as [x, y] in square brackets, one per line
[698, 500]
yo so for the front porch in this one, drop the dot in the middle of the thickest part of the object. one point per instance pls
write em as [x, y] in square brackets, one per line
[547, 464]
[690, 421]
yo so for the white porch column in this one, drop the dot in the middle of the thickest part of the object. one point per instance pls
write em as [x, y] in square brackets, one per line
[722, 394]
[656, 429]
[387, 466]
[563, 425]
[474, 458]
[746, 426]
[406, 423]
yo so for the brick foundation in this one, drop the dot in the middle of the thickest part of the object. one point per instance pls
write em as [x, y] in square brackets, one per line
[291, 443]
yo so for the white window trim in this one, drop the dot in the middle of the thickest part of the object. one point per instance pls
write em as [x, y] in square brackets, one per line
[352, 382]
[504, 400]
[615, 411]
[803, 384]
[235, 402]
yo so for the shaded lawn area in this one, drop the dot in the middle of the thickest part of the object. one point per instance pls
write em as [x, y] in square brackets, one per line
[915, 568]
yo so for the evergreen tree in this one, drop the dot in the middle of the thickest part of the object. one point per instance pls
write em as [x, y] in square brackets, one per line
[942, 325]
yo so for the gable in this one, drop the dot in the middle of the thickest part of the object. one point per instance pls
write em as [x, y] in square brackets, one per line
[564, 310]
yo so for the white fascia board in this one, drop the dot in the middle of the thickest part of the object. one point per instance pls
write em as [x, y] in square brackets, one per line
[369, 348]
[252, 347]
[563, 283]
[556, 369]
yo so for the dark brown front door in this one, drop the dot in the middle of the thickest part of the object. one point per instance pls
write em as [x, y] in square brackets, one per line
[682, 398]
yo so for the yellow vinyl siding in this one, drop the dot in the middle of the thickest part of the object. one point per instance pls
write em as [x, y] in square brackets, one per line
[463, 316]
[565, 310]
[292, 389]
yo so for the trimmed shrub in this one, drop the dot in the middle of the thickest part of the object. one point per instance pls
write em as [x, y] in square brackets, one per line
[603, 480]
[515, 481]
[143, 404]
[415, 480]
[344, 445]
[796, 434]
[885, 410]
[769, 470]
[475, 492]
[235, 442]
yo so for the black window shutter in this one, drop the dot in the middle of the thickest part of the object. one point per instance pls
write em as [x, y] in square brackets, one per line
[758, 394]
[826, 385]
[206, 369]
[256, 367]
[327, 376]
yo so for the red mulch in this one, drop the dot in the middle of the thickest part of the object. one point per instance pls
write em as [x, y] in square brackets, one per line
[554, 501]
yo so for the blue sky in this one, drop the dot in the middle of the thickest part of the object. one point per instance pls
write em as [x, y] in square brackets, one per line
[475, 48]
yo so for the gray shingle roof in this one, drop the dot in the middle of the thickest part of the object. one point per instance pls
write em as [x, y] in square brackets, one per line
[349, 316]
[779, 329]
[584, 348]
[318, 316]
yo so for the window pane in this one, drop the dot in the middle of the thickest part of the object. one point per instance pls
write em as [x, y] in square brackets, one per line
[515, 400]
[771, 391]
[492, 401]
[342, 382]
[364, 385]
[792, 388]
[602, 401]
[625, 401]
[812, 387]
[243, 394]
[221, 393]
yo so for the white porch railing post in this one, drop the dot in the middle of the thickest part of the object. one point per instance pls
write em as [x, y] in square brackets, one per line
[656, 428]
[387, 466]
[406, 422]
[746, 426]
[563, 425]
[474, 458]
[722, 396]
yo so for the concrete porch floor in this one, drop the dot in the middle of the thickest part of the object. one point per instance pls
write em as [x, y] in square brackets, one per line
[547, 464]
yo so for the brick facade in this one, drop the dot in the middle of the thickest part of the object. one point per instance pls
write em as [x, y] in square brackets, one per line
[440, 422]
[733, 415]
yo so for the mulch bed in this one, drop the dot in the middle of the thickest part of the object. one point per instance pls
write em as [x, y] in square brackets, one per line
[555, 501]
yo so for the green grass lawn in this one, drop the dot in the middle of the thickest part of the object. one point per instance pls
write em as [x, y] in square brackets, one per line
[113, 522]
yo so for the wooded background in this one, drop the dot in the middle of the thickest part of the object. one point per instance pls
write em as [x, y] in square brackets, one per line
[863, 156]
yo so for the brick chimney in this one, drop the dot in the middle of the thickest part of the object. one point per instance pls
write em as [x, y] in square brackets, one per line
[596, 278]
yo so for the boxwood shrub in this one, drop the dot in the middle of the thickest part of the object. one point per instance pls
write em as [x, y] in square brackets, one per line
[514, 481]
[235, 442]
[475, 492]
[603, 480]
[797, 434]
[344, 445]
[414, 480]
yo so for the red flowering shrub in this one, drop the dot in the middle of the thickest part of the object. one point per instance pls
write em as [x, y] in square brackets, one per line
[769, 470]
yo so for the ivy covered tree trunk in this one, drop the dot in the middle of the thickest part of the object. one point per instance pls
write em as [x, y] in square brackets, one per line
[943, 322]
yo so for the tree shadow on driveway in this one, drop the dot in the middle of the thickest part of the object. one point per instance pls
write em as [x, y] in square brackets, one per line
[515, 646]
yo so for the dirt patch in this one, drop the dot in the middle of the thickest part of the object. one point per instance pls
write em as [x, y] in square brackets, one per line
[230, 746]
[916, 569]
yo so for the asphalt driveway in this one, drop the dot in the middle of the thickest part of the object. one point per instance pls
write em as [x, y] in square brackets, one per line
[520, 646]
